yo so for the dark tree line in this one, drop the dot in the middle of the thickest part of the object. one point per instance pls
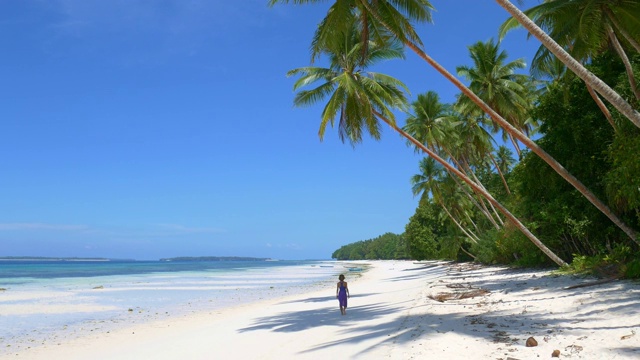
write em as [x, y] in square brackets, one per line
[385, 247]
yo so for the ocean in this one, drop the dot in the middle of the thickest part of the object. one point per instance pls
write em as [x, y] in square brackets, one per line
[41, 301]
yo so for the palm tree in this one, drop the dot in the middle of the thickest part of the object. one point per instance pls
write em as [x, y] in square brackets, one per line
[457, 205]
[428, 182]
[504, 159]
[495, 81]
[431, 121]
[437, 126]
[586, 28]
[630, 9]
[359, 99]
[472, 150]
[387, 17]
[356, 96]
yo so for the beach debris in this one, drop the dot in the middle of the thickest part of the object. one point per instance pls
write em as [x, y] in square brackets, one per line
[574, 349]
[3, 289]
[456, 286]
[99, 287]
[555, 353]
[592, 283]
[625, 337]
[500, 336]
[130, 310]
[531, 342]
[471, 293]
[461, 267]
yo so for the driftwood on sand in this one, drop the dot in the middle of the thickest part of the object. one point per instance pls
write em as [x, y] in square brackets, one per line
[458, 295]
[592, 283]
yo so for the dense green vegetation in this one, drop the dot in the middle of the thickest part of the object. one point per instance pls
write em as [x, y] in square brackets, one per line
[529, 170]
[388, 246]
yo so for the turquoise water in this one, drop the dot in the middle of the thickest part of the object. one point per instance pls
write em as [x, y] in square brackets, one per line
[13, 271]
[48, 301]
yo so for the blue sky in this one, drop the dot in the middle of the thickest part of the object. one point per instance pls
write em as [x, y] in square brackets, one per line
[146, 129]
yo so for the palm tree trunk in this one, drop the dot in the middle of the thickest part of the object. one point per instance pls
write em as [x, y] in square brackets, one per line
[493, 208]
[478, 203]
[475, 186]
[621, 29]
[603, 89]
[625, 60]
[531, 26]
[529, 143]
[468, 253]
[602, 106]
[481, 199]
[475, 226]
[482, 208]
[473, 238]
[504, 181]
[515, 146]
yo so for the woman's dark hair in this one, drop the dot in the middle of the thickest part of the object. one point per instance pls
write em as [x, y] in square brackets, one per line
[341, 277]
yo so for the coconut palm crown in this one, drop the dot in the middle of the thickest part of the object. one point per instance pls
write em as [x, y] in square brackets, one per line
[356, 96]
[376, 19]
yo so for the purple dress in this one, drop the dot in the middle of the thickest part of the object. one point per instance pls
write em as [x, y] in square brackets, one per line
[342, 295]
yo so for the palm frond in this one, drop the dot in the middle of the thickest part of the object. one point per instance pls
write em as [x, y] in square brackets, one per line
[311, 97]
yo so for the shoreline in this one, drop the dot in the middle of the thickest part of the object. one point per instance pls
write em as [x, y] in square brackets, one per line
[46, 312]
[398, 310]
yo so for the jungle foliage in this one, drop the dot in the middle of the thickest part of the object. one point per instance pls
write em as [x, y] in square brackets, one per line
[388, 246]
[574, 130]
[526, 170]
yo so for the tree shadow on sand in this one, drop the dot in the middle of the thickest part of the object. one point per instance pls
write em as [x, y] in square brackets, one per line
[515, 325]
[329, 316]
[426, 273]
[324, 298]
[487, 319]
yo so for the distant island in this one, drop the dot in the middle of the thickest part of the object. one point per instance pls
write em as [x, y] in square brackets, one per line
[215, 258]
[44, 258]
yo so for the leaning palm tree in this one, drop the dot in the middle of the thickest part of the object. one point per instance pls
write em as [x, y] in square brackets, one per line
[504, 159]
[472, 150]
[431, 121]
[387, 17]
[496, 82]
[586, 28]
[356, 96]
[438, 126]
[428, 182]
[630, 10]
[360, 99]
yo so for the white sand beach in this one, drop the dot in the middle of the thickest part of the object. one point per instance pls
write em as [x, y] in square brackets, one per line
[391, 315]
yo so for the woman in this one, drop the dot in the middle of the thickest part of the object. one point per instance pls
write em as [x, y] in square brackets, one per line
[342, 293]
